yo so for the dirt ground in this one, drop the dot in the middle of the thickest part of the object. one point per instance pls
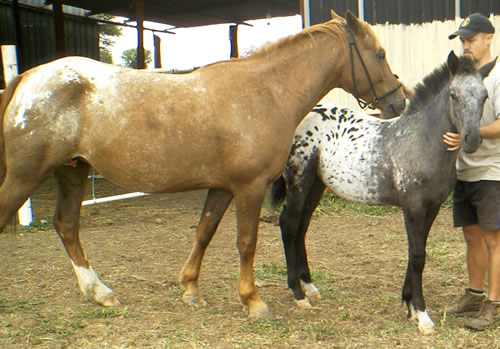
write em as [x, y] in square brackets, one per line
[138, 247]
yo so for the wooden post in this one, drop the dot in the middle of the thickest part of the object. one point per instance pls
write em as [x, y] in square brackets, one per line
[157, 43]
[59, 30]
[19, 36]
[233, 37]
[139, 11]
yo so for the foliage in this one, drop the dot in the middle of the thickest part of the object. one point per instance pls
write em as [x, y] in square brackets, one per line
[106, 34]
[130, 57]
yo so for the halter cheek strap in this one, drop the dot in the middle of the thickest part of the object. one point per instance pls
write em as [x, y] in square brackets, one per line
[363, 104]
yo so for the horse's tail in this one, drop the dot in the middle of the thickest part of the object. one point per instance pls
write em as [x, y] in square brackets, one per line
[278, 192]
[5, 98]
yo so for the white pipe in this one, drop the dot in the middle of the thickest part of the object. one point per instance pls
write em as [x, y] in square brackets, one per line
[113, 198]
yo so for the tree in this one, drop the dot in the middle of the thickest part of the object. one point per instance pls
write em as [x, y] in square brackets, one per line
[106, 34]
[130, 57]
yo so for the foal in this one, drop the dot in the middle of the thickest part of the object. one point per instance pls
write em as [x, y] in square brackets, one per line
[400, 162]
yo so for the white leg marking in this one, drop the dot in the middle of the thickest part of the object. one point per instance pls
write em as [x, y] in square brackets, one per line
[91, 286]
[425, 324]
[310, 290]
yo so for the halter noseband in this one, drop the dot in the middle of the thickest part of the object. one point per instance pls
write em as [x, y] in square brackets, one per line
[363, 104]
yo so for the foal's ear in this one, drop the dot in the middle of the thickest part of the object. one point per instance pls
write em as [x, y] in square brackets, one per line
[452, 62]
[353, 22]
[485, 69]
[334, 14]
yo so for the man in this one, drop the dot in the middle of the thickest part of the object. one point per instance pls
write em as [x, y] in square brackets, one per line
[476, 199]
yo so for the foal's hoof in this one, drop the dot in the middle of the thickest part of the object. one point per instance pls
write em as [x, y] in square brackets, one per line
[193, 300]
[314, 295]
[303, 303]
[262, 313]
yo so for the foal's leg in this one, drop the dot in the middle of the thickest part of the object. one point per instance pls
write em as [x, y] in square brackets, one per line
[292, 224]
[215, 205]
[70, 191]
[248, 205]
[302, 264]
[289, 224]
[418, 223]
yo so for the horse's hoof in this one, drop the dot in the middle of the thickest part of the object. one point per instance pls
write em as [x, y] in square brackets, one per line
[303, 303]
[426, 330]
[193, 300]
[263, 313]
[109, 300]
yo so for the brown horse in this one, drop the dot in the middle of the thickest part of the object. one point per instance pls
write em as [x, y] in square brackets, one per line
[227, 127]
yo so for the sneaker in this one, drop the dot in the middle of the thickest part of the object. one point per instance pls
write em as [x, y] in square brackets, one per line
[487, 316]
[468, 304]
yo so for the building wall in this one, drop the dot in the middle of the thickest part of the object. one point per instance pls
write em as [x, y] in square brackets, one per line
[415, 43]
[38, 35]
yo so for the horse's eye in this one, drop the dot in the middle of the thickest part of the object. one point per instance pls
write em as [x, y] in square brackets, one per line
[381, 55]
[453, 96]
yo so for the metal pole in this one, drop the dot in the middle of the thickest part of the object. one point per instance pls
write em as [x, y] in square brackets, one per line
[306, 13]
[361, 9]
[139, 8]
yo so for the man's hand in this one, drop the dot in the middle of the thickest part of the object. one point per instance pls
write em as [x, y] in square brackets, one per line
[452, 139]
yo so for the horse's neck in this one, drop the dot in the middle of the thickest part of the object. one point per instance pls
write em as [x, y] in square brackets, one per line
[307, 71]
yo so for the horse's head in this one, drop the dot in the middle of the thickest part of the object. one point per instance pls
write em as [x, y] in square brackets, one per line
[466, 97]
[369, 77]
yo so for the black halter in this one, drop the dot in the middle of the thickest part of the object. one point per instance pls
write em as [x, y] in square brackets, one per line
[363, 104]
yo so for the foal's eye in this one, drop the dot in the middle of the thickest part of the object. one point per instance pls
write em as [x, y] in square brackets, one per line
[381, 55]
[453, 96]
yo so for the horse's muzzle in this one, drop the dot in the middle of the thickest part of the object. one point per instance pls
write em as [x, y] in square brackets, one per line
[393, 109]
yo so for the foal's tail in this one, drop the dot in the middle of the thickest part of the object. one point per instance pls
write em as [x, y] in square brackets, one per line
[5, 98]
[278, 192]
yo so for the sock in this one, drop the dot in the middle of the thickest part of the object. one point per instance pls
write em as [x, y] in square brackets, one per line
[476, 292]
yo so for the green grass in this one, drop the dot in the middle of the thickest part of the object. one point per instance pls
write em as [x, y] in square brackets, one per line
[333, 204]
[36, 226]
[98, 312]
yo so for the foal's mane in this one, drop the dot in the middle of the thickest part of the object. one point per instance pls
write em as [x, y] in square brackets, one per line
[435, 82]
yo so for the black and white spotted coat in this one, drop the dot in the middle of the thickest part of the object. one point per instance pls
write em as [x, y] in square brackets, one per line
[358, 156]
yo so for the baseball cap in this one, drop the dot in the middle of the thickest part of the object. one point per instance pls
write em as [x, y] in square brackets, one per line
[470, 26]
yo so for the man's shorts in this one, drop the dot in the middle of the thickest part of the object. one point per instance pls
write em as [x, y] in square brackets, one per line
[477, 202]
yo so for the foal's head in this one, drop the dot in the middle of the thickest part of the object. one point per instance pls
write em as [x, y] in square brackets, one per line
[369, 76]
[467, 96]
[463, 87]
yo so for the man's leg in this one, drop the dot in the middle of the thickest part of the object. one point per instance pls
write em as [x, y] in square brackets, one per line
[490, 312]
[477, 266]
[477, 256]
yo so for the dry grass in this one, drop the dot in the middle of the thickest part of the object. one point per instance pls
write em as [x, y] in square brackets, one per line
[139, 246]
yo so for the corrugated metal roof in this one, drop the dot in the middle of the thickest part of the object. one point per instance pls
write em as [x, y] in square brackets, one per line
[191, 13]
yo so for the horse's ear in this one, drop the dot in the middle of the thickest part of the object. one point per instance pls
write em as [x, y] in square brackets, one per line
[485, 69]
[334, 14]
[452, 62]
[353, 22]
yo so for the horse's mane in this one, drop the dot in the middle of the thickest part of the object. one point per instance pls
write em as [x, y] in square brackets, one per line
[435, 82]
[332, 27]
